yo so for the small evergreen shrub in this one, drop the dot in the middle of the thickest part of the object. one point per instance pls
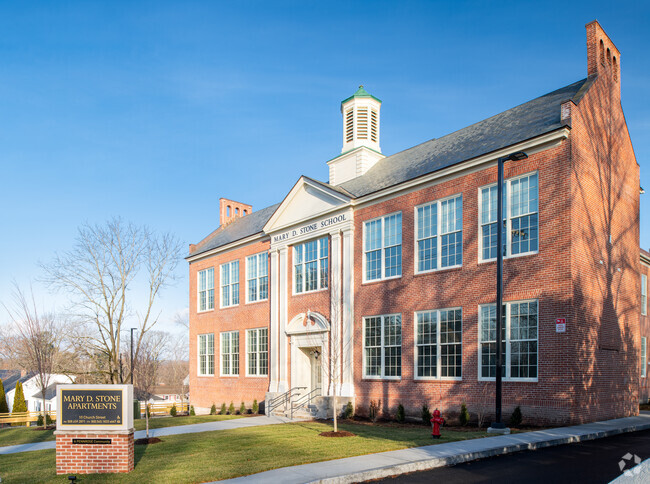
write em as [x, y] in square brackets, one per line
[48, 419]
[373, 412]
[516, 417]
[242, 409]
[192, 412]
[426, 414]
[231, 409]
[256, 407]
[172, 411]
[223, 409]
[401, 415]
[349, 411]
[4, 408]
[464, 415]
[213, 409]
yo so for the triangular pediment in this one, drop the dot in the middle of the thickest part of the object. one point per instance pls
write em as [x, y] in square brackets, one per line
[307, 199]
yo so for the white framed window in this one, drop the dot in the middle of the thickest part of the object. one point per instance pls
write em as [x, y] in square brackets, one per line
[206, 289]
[230, 284]
[520, 217]
[382, 247]
[644, 357]
[382, 347]
[230, 353]
[257, 352]
[439, 344]
[439, 234]
[206, 354]
[644, 294]
[311, 265]
[519, 336]
[257, 277]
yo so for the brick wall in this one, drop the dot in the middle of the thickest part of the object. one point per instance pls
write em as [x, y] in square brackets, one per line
[94, 458]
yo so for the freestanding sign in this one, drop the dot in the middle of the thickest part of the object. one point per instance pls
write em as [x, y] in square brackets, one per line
[94, 429]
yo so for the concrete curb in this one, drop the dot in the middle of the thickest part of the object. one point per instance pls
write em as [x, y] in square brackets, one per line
[427, 464]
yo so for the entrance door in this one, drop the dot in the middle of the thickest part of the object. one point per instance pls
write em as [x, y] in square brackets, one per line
[315, 358]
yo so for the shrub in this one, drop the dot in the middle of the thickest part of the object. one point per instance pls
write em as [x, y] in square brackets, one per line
[464, 415]
[426, 415]
[401, 416]
[48, 419]
[349, 411]
[231, 409]
[256, 407]
[242, 409]
[374, 410]
[223, 409]
[192, 412]
[172, 411]
[213, 409]
[19, 399]
[4, 408]
[516, 417]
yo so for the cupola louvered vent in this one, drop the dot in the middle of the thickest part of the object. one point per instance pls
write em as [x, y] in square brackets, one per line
[349, 125]
[373, 125]
[362, 123]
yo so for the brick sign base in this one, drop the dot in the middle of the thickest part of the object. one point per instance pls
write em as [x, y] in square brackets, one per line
[94, 458]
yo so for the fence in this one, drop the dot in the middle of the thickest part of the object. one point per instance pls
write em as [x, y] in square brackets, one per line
[164, 408]
[24, 417]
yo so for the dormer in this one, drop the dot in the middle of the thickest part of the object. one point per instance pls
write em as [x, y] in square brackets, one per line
[361, 150]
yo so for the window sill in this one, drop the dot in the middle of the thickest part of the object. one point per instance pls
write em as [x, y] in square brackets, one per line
[228, 376]
[516, 256]
[229, 307]
[255, 302]
[382, 378]
[205, 311]
[436, 271]
[441, 379]
[375, 281]
[257, 376]
[205, 376]
[512, 380]
[310, 292]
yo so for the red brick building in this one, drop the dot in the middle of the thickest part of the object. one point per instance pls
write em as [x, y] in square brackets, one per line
[380, 284]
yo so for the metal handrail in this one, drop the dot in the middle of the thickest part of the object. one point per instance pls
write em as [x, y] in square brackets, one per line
[284, 398]
[304, 401]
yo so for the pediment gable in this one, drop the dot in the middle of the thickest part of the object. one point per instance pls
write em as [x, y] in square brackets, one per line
[307, 199]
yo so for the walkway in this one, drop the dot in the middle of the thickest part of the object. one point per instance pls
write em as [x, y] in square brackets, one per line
[237, 423]
[384, 464]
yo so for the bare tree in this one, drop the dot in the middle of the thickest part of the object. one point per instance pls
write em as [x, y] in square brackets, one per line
[147, 366]
[100, 272]
[35, 342]
[178, 365]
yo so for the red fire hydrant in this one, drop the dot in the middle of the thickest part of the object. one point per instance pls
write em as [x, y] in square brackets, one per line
[436, 423]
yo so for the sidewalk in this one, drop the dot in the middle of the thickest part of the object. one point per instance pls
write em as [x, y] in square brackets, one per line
[180, 429]
[384, 464]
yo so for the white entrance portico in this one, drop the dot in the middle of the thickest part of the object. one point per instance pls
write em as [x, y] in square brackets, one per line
[309, 341]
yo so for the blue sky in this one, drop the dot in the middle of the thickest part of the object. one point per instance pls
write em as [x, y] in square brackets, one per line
[153, 110]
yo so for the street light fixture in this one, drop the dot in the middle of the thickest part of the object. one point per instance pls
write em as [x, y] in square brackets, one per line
[498, 426]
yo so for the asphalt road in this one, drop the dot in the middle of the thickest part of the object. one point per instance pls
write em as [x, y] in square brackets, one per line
[595, 461]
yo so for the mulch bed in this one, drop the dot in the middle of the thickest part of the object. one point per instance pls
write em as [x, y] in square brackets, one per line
[145, 441]
[49, 427]
[340, 433]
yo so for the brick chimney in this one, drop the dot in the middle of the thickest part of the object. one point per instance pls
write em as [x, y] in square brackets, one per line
[229, 210]
[603, 58]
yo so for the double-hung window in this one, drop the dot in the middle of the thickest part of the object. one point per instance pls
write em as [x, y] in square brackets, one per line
[439, 344]
[519, 340]
[644, 294]
[206, 354]
[520, 217]
[382, 247]
[644, 356]
[439, 234]
[383, 347]
[230, 353]
[257, 352]
[310, 263]
[230, 284]
[257, 277]
[206, 289]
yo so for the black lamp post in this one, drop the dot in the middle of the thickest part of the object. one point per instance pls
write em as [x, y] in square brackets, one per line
[519, 155]
[132, 330]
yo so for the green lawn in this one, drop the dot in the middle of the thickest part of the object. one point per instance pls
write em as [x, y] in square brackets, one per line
[230, 453]
[28, 435]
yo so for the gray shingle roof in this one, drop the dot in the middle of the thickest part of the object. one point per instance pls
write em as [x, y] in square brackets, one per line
[50, 392]
[529, 120]
[521, 123]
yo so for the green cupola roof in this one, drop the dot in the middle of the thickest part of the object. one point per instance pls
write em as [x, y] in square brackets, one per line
[361, 92]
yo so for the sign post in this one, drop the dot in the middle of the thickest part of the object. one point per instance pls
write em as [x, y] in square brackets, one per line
[94, 429]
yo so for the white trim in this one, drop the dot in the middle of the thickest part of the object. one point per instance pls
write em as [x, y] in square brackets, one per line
[227, 247]
[268, 353]
[507, 355]
[365, 376]
[221, 373]
[382, 266]
[257, 279]
[508, 217]
[439, 376]
[644, 356]
[318, 260]
[416, 226]
[198, 355]
[198, 291]
[644, 295]
[230, 284]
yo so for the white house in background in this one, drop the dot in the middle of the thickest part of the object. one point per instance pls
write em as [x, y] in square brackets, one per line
[31, 389]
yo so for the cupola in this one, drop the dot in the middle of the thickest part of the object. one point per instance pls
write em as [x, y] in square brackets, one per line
[361, 150]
